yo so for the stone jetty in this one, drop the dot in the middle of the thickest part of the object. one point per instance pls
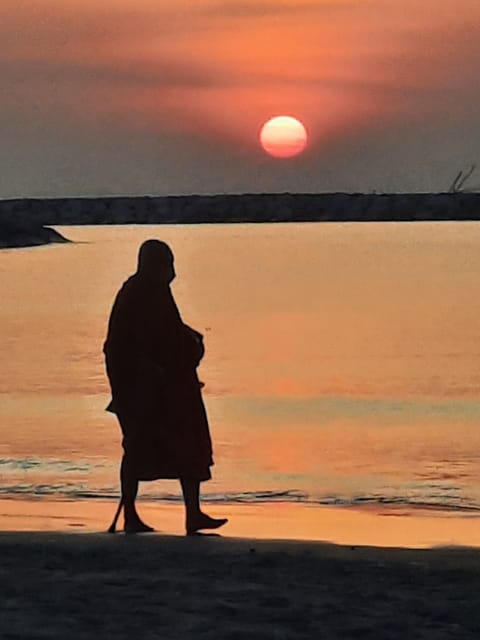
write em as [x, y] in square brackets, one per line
[24, 222]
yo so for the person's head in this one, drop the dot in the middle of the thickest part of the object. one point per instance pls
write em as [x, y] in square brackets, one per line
[155, 261]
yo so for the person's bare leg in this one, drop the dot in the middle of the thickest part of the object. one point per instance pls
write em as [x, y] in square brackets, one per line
[195, 519]
[129, 482]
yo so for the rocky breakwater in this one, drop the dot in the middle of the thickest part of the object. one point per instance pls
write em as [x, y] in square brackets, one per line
[21, 232]
[200, 209]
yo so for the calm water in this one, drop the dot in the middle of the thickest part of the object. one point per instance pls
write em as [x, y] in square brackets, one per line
[342, 366]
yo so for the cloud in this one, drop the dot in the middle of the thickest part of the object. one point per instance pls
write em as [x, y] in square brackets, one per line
[256, 9]
[129, 74]
[174, 74]
[47, 24]
[58, 27]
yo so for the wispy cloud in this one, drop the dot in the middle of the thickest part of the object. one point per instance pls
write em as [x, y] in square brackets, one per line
[127, 74]
[257, 9]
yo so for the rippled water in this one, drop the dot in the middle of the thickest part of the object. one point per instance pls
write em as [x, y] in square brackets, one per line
[342, 361]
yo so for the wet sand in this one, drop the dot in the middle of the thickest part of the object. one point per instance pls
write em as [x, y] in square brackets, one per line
[84, 585]
[372, 526]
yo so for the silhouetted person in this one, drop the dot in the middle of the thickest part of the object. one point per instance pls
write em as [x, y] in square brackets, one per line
[151, 359]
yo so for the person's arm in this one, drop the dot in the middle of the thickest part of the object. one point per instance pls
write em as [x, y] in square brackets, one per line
[195, 348]
[120, 343]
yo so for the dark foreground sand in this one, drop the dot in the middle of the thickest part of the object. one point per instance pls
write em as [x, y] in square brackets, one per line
[93, 585]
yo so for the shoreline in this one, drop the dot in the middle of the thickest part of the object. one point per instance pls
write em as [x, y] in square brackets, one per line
[364, 526]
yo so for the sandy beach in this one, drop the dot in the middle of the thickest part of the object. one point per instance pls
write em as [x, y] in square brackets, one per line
[58, 585]
[61, 576]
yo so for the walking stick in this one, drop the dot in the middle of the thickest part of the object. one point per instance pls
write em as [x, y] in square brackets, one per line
[112, 527]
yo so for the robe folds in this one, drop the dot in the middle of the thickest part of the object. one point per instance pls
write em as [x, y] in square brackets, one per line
[151, 358]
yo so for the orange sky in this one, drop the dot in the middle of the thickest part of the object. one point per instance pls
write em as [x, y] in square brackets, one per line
[117, 96]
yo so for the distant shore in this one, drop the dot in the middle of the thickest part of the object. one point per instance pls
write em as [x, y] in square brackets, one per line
[23, 222]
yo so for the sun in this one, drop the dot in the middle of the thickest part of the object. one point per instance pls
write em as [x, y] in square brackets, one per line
[283, 136]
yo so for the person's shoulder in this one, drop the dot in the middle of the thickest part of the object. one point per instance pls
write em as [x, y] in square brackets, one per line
[130, 286]
[127, 293]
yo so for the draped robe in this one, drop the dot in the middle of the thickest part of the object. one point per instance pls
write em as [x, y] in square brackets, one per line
[151, 358]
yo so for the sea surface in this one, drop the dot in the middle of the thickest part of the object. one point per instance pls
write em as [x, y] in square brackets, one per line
[342, 363]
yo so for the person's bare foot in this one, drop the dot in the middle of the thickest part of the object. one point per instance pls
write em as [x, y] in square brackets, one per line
[137, 526]
[202, 521]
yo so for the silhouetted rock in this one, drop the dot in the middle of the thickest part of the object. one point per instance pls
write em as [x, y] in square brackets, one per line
[18, 232]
